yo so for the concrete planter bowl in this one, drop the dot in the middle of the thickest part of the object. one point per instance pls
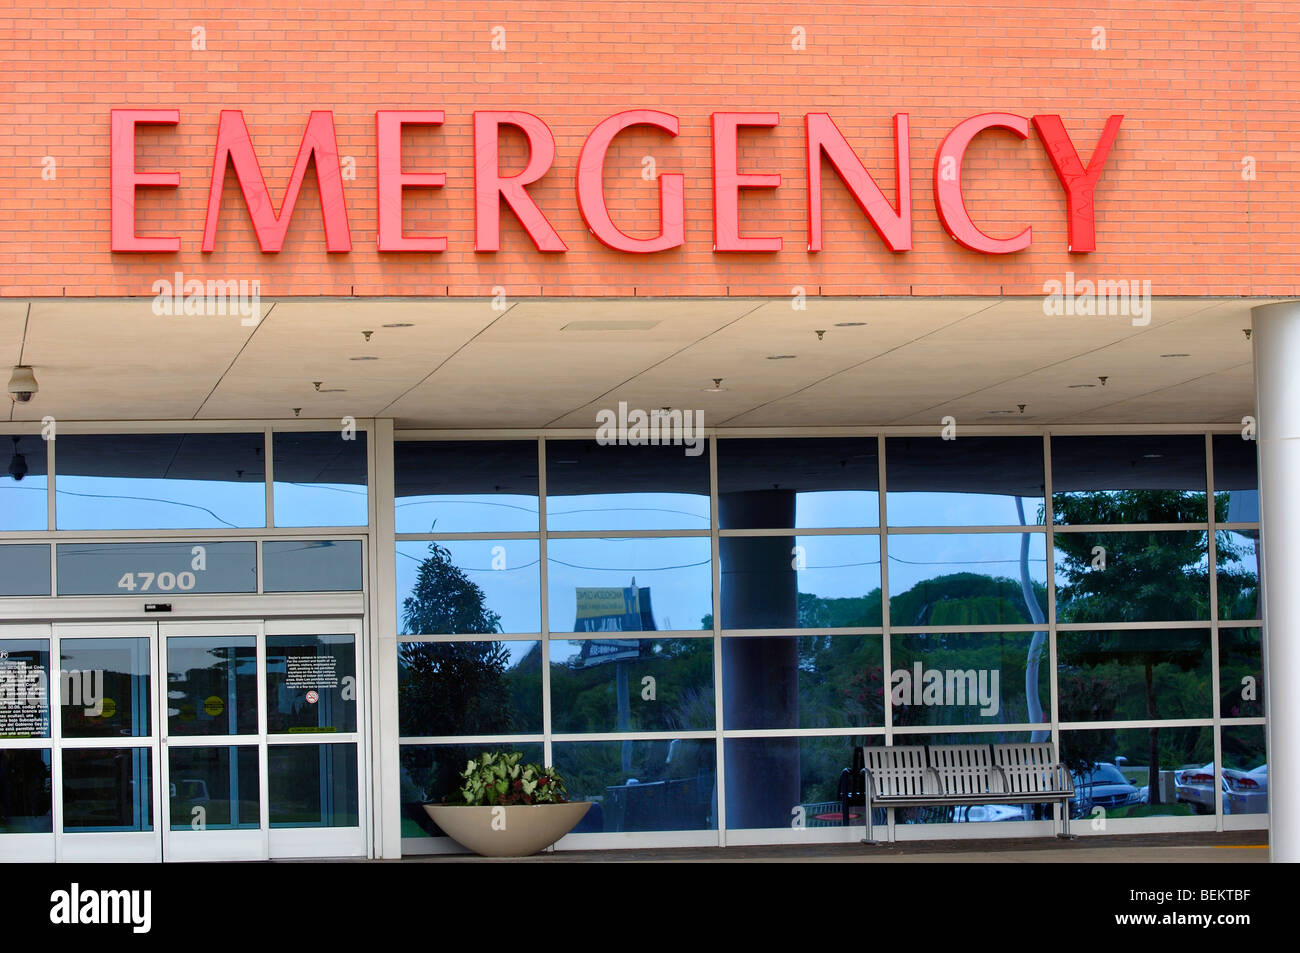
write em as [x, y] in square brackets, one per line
[523, 830]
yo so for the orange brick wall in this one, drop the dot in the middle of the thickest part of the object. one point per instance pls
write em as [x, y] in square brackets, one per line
[1201, 85]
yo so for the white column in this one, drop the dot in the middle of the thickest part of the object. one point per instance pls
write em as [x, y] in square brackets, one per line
[1276, 339]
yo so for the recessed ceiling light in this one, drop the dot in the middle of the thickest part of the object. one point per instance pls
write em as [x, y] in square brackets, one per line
[332, 390]
[717, 387]
[1175, 355]
[851, 324]
[994, 413]
[1077, 386]
[399, 324]
[781, 357]
[365, 357]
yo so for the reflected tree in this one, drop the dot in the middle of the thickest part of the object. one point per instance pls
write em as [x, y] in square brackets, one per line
[450, 687]
[1136, 577]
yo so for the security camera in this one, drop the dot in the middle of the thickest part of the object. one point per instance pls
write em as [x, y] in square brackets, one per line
[22, 384]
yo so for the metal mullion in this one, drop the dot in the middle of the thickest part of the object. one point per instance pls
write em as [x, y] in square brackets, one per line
[809, 531]
[887, 655]
[1238, 527]
[474, 637]
[985, 530]
[210, 741]
[1201, 526]
[1112, 626]
[452, 537]
[715, 586]
[654, 635]
[269, 476]
[873, 732]
[313, 738]
[1143, 723]
[54, 690]
[444, 740]
[1212, 554]
[567, 737]
[797, 633]
[51, 510]
[628, 533]
[548, 753]
[964, 729]
[263, 754]
[966, 629]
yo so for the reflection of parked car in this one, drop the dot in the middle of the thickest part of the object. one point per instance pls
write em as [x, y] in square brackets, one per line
[1103, 787]
[1244, 792]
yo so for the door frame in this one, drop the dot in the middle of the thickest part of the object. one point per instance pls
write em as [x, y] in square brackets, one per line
[112, 616]
[205, 845]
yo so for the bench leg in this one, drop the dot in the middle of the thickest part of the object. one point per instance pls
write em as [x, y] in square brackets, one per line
[1065, 822]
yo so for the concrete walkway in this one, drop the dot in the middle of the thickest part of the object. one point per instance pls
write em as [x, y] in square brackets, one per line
[1236, 847]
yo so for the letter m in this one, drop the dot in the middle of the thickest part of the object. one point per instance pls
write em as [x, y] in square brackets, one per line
[319, 145]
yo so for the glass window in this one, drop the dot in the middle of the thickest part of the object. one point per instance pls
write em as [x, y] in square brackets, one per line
[1128, 479]
[212, 685]
[1245, 770]
[1241, 673]
[214, 789]
[25, 570]
[24, 688]
[146, 569]
[632, 685]
[804, 582]
[466, 587]
[311, 683]
[24, 506]
[826, 681]
[1135, 772]
[104, 687]
[311, 565]
[594, 487]
[161, 481]
[630, 585]
[469, 688]
[313, 785]
[641, 785]
[1237, 563]
[320, 478]
[798, 483]
[970, 678]
[789, 782]
[1134, 675]
[1132, 576]
[432, 772]
[466, 486]
[26, 806]
[107, 789]
[1236, 479]
[969, 481]
[954, 579]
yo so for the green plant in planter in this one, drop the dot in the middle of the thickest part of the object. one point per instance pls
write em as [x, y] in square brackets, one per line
[498, 778]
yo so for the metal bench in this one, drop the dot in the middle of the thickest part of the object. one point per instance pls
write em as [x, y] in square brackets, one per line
[942, 775]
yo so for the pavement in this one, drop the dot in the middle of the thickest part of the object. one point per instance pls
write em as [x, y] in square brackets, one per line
[1231, 847]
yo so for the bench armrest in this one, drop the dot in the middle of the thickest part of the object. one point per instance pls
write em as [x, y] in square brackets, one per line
[1001, 784]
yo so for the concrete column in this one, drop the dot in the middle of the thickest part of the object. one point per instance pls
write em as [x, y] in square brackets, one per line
[1276, 339]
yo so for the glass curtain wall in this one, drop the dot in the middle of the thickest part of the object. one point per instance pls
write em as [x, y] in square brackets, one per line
[560, 598]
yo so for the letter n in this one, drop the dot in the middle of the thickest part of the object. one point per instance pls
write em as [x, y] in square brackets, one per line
[319, 145]
[825, 138]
